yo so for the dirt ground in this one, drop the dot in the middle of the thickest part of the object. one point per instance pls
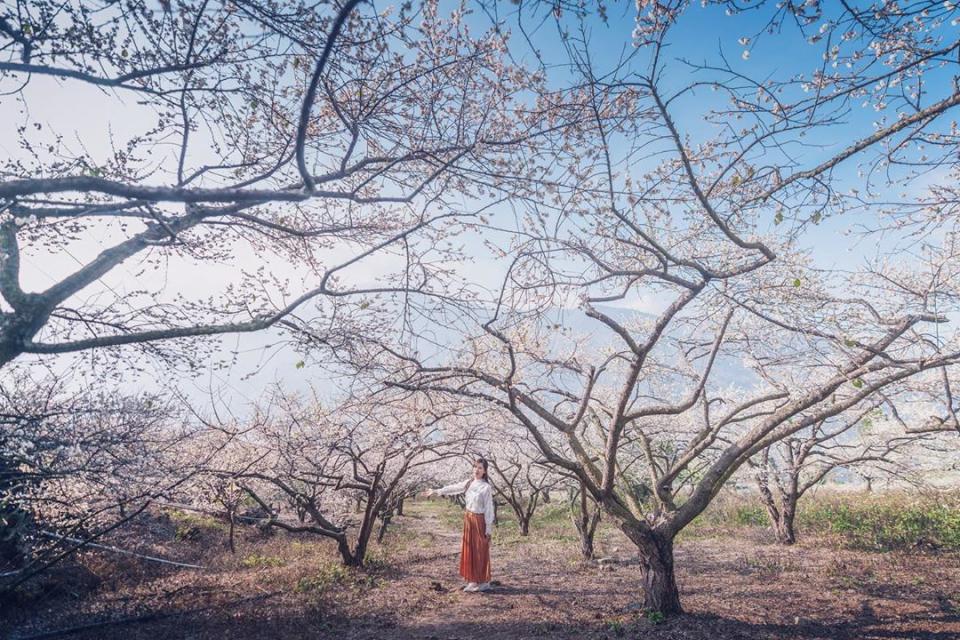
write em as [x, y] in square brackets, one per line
[733, 584]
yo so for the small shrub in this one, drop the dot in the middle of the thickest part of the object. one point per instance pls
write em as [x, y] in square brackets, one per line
[729, 511]
[654, 617]
[255, 560]
[183, 533]
[327, 576]
[751, 516]
[368, 581]
[886, 524]
[615, 627]
[188, 525]
[699, 527]
[376, 561]
[874, 522]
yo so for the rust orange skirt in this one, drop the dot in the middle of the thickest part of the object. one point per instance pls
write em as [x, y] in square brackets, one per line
[475, 549]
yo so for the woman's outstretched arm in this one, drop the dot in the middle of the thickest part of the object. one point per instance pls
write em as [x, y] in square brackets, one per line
[451, 489]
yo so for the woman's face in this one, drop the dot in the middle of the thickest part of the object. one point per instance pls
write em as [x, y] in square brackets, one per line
[478, 471]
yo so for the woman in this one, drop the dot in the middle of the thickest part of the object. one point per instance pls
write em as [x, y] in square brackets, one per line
[477, 526]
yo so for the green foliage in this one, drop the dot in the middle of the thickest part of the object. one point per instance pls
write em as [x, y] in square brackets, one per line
[555, 513]
[255, 560]
[336, 574]
[329, 575]
[615, 627]
[886, 525]
[188, 525]
[550, 522]
[199, 520]
[751, 516]
[654, 617]
[875, 522]
[182, 533]
[725, 512]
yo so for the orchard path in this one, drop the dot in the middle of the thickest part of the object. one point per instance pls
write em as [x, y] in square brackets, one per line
[733, 588]
[540, 587]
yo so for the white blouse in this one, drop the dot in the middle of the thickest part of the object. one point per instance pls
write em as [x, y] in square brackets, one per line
[479, 498]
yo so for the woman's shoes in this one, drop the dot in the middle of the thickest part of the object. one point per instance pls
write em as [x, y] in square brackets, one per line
[471, 587]
[486, 586]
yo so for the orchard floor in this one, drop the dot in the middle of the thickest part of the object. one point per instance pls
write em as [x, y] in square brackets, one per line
[733, 585]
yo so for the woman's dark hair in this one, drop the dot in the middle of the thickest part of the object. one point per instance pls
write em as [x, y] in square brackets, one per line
[483, 463]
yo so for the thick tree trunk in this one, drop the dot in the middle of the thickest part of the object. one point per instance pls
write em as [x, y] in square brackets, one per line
[586, 547]
[7, 353]
[366, 529]
[586, 537]
[392, 507]
[360, 551]
[385, 519]
[350, 558]
[233, 525]
[14, 521]
[524, 526]
[781, 515]
[660, 591]
[586, 523]
[782, 520]
[783, 527]
[13, 546]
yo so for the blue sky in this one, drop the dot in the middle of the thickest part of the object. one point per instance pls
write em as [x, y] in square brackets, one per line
[702, 35]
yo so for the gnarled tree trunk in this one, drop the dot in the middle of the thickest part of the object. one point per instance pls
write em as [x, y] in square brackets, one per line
[783, 528]
[783, 513]
[585, 520]
[660, 592]
[232, 517]
[14, 520]
[524, 522]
